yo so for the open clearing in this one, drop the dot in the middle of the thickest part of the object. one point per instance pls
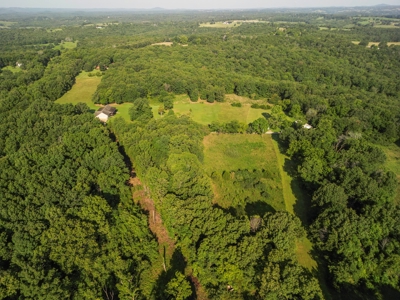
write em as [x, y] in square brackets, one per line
[230, 152]
[205, 113]
[66, 45]
[6, 24]
[221, 24]
[163, 44]
[377, 43]
[237, 151]
[82, 90]
[12, 69]
[233, 152]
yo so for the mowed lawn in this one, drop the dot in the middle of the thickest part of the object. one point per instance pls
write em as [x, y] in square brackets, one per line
[82, 91]
[231, 152]
[206, 113]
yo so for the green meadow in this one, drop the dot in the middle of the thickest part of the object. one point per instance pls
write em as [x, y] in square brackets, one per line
[228, 153]
[66, 45]
[12, 69]
[82, 91]
[205, 113]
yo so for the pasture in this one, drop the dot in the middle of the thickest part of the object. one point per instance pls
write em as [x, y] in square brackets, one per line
[82, 91]
[205, 113]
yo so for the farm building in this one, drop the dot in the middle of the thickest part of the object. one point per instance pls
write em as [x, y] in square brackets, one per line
[105, 112]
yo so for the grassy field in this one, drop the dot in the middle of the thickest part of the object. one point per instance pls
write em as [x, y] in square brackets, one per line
[227, 152]
[232, 152]
[82, 91]
[205, 113]
[391, 26]
[54, 29]
[377, 43]
[66, 45]
[12, 69]
[221, 24]
[123, 110]
[163, 44]
[6, 24]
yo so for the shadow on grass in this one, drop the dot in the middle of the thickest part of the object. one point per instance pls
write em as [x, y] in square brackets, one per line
[266, 115]
[258, 208]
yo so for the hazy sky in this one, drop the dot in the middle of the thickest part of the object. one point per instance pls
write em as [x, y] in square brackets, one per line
[190, 4]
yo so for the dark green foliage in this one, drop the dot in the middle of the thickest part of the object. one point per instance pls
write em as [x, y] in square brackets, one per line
[236, 104]
[68, 226]
[230, 127]
[353, 199]
[260, 106]
[140, 111]
[259, 126]
[67, 178]
[221, 248]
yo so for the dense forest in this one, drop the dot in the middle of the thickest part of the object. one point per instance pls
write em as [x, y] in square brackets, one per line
[73, 224]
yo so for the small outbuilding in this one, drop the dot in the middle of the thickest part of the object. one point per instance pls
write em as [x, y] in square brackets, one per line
[307, 126]
[103, 113]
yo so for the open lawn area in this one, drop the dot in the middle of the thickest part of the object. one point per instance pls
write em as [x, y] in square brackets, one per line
[205, 113]
[82, 91]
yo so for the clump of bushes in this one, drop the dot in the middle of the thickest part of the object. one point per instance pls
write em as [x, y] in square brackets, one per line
[260, 106]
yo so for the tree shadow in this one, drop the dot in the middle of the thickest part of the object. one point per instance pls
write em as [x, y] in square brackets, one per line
[266, 115]
[230, 210]
[177, 263]
[258, 208]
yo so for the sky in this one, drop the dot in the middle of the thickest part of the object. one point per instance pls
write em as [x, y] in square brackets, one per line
[189, 4]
